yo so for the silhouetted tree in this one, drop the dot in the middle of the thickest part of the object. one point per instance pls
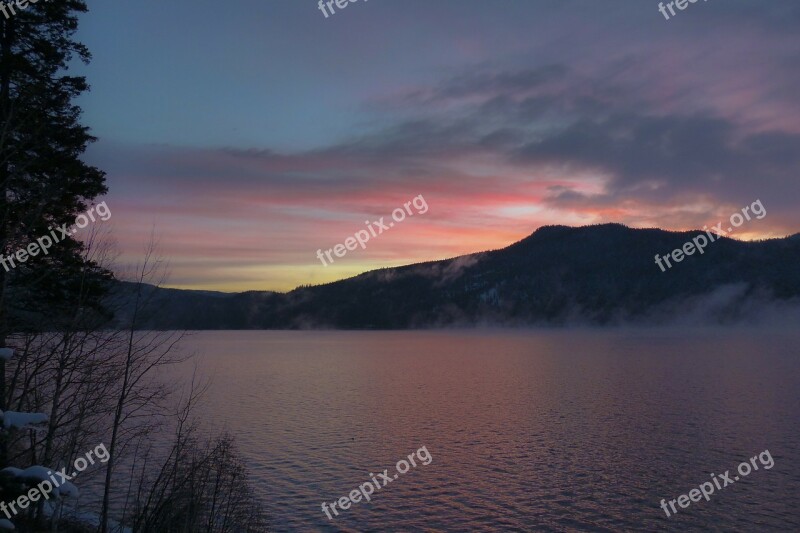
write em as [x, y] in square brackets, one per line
[43, 182]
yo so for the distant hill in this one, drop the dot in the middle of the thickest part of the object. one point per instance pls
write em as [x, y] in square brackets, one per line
[593, 275]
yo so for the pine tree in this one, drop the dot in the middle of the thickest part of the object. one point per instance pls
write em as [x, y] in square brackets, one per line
[43, 182]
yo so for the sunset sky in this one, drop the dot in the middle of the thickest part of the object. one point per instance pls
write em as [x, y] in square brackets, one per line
[251, 133]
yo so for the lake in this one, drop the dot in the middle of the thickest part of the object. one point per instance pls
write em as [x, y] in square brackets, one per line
[528, 430]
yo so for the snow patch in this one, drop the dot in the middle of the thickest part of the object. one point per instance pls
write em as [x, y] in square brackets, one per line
[37, 473]
[67, 490]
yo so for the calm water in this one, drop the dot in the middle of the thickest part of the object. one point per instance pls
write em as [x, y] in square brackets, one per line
[529, 431]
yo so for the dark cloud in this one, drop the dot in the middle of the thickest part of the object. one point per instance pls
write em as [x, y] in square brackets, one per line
[481, 83]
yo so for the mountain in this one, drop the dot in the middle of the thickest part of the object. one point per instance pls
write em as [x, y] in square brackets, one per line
[593, 275]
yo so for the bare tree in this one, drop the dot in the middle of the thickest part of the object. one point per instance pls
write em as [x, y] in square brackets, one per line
[139, 399]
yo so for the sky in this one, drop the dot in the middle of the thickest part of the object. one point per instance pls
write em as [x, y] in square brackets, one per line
[249, 134]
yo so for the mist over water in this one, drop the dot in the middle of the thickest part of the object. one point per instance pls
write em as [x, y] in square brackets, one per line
[546, 430]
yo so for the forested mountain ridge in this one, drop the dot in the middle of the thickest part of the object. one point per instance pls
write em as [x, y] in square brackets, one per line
[602, 274]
